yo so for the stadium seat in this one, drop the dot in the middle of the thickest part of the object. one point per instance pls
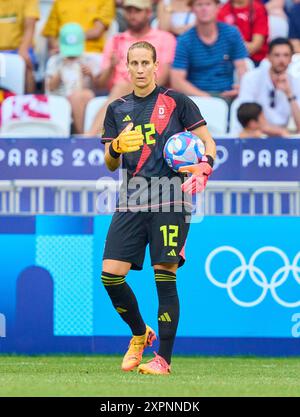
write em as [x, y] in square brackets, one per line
[234, 125]
[91, 110]
[278, 27]
[292, 127]
[58, 124]
[215, 112]
[12, 72]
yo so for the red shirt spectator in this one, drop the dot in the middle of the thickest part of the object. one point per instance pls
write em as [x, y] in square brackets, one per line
[250, 16]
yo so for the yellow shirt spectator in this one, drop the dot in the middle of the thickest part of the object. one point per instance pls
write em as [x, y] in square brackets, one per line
[12, 17]
[84, 12]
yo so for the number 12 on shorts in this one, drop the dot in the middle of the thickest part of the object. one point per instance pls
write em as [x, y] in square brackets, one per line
[170, 232]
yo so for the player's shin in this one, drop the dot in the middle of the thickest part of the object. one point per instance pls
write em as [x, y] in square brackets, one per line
[168, 311]
[124, 301]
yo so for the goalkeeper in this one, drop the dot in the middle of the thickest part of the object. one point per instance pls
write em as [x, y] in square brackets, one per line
[136, 128]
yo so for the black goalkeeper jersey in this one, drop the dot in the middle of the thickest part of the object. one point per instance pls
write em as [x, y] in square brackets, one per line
[158, 116]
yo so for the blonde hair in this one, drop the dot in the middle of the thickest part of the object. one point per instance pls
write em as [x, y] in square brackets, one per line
[145, 45]
[191, 2]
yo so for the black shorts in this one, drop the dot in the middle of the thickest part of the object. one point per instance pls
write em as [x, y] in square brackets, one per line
[129, 233]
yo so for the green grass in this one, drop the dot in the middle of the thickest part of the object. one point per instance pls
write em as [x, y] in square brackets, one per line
[191, 376]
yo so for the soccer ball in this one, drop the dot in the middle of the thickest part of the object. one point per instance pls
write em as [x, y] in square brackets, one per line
[183, 148]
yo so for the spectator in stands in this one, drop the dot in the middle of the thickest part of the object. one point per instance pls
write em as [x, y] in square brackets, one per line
[175, 16]
[251, 117]
[71, 73]
[114, 75]
[251, 17]
[17, 25]
[207, 55]
[274, 89]
[294, 26]
[278, 23]
[94, 16]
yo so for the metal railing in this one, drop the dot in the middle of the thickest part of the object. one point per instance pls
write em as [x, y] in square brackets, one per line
[80, 197]
[253, 198]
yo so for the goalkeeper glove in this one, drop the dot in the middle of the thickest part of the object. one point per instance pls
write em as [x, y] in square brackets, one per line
[200, 173]
[128, 141]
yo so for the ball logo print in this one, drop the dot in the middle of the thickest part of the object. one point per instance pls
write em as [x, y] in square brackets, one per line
[183, 148]
[257, 275]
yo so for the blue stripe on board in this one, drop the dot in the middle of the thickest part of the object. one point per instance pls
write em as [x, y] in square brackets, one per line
[64, 225]
[218, 346]
[17, 225]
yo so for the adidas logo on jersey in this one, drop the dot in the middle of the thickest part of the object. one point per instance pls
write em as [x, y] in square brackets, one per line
[126, 118]
[172, 253]
[165, 317]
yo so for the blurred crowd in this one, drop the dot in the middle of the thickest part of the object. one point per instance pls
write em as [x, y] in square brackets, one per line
[245, 50]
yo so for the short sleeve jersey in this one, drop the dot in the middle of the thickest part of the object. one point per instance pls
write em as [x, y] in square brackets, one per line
[158, 116]
[210, 67]
[12, 18]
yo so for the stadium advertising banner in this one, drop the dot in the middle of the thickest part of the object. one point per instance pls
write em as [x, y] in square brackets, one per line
[237, 295]
[83, 159]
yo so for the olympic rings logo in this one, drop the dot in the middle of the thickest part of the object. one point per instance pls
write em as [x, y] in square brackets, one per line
[256, 274]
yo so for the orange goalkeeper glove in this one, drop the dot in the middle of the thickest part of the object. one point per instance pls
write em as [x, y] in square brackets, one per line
[200, 173]
[128, 141]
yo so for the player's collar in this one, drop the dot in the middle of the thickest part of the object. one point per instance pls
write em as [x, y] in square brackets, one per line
[153, 92]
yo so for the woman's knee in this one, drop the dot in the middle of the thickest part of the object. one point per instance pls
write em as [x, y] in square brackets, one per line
[115, 267]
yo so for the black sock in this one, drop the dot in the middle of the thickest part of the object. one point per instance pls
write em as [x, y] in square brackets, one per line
[168, 311]
[124, 301]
